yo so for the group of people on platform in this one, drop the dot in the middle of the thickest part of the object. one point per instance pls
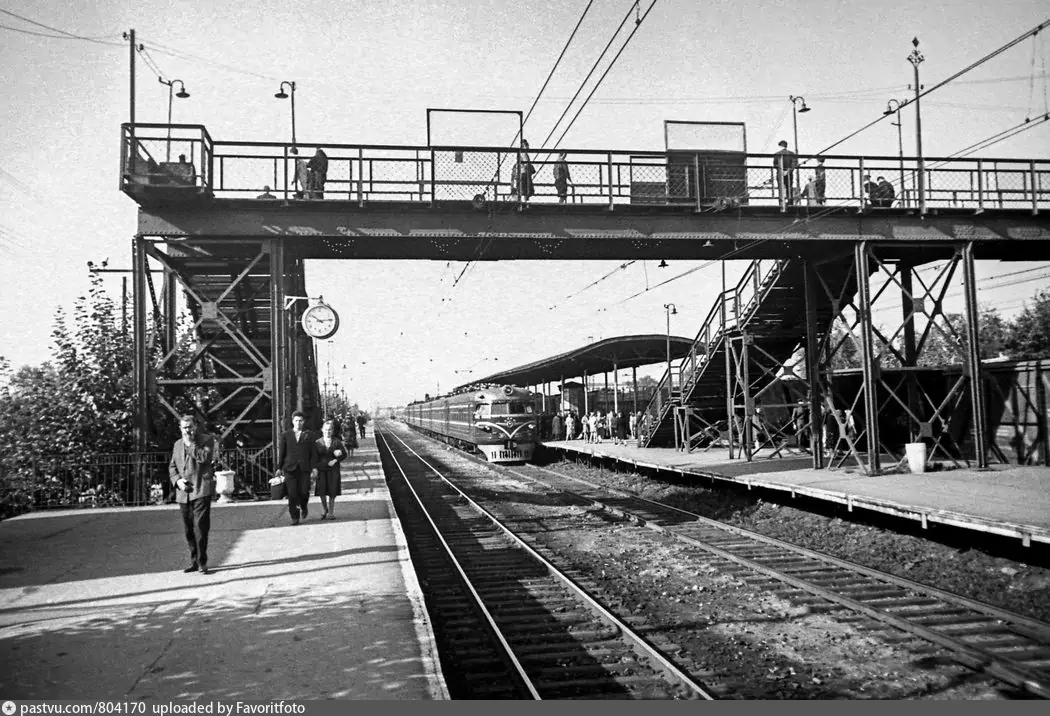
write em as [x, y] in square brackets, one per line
[597, 427]
[309, 177]
[879, 193]
[522, 186]
[305, 460]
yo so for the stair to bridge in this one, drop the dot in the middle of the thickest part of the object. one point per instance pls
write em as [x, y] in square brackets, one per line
[768, 305]
[230, 373]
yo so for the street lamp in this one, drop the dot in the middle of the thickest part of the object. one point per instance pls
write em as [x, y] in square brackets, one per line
[281, 94]
[671, 310]
[892, 109]
[181, 94]
[795, 110]
[916, 59]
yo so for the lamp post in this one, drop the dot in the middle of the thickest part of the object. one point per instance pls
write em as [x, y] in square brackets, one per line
[795, 111]
[894, 107]
[281, 94]
[671, 310]
[181, 94]
[916, 59]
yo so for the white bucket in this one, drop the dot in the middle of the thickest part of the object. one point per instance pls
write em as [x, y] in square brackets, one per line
[916, 453]
[224, 484]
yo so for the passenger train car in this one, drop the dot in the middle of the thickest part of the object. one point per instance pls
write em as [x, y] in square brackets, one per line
[499, 421]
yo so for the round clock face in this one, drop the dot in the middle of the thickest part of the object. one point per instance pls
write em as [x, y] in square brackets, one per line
[320, 321]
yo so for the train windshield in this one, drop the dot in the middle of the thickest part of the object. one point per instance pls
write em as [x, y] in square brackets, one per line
[496, 409]
[511, 408]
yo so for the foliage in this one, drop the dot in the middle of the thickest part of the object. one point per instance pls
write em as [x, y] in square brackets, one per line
[70, 410]
[1028, 336]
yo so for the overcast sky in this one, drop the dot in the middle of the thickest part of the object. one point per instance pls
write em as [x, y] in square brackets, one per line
[367, 71]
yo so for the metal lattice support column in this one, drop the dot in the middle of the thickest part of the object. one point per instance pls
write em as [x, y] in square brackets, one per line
[243, 366]
[813, 330]
[973, 358]
[868, 365]
[905, 384]
[739, 395]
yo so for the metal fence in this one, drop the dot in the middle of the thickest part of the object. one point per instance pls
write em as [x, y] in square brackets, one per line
[700, 180]
[117, 479]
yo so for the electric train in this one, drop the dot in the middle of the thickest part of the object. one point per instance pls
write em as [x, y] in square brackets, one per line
[499, 421]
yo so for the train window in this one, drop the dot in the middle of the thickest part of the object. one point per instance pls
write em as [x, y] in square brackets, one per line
[482, 411]
[513, 408]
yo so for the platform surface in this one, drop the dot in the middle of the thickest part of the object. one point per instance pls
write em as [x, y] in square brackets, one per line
[1003, 499]
[94, 603]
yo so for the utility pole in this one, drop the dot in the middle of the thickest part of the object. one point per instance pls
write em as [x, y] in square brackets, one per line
[916, 58]
[132, 149]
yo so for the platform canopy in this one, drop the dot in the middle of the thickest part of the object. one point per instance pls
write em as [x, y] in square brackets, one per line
[605, 355]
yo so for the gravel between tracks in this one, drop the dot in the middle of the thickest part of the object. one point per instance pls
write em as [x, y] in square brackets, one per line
[754, 643]
[779, 650]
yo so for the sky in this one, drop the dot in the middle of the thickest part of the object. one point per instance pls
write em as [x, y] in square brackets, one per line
[366, 72]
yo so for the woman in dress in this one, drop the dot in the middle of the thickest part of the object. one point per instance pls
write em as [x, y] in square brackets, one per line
[329, 452]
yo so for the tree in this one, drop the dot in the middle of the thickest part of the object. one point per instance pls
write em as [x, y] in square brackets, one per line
[1028, 337]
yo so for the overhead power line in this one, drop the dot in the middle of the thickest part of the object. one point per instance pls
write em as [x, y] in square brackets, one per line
[62, 34]
[942, 83]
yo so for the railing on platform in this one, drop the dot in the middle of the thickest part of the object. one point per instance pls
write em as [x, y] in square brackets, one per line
[116, 479]
[699, 181]
[730, 312]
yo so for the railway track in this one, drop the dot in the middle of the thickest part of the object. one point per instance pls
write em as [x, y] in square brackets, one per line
[1007, 646]
[509, 623]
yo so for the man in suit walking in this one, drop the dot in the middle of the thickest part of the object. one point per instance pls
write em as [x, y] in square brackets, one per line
[192, 473]
[295, 456]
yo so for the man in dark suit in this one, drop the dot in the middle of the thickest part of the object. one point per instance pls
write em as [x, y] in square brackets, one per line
[192, 473]
[295, 458]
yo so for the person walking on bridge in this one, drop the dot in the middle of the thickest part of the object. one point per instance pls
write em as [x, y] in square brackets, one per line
[192, 473]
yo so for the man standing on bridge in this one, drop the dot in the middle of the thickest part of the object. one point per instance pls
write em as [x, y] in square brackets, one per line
[786, 161]
[192, 473]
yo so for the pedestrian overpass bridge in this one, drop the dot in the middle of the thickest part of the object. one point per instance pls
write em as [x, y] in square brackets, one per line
[238, 260]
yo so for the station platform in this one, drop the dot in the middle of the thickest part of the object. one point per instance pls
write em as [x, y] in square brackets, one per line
[94, 603]
[1008, 500]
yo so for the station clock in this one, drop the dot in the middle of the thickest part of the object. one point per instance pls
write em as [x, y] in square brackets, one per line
[320, 321]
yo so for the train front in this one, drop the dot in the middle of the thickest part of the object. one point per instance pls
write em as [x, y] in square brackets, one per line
[505, 424]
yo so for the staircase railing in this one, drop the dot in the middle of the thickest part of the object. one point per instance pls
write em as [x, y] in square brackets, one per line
[732, 309]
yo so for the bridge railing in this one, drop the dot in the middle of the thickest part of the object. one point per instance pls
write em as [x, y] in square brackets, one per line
[185, 156]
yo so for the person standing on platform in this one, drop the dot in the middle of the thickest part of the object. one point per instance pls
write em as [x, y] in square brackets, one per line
[570, 425]
[556, 427]
[562, 178]
[301, 180]
[621, 428]
[329, 453]
[362, 421]
[295, 456]
[885, 193]
[349, 438]
[523, 173]
[318, 168]
[192, 473]
[871, 190]
[786, 161]
[632, 425]
[820, 181]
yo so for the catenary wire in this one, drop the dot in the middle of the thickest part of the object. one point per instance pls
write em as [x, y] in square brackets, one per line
[70, 35]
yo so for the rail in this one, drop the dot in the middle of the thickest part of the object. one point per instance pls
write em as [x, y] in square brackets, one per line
[114, 479]
[698, 181]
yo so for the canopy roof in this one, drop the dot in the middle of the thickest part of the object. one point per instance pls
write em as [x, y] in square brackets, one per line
[605, 355]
